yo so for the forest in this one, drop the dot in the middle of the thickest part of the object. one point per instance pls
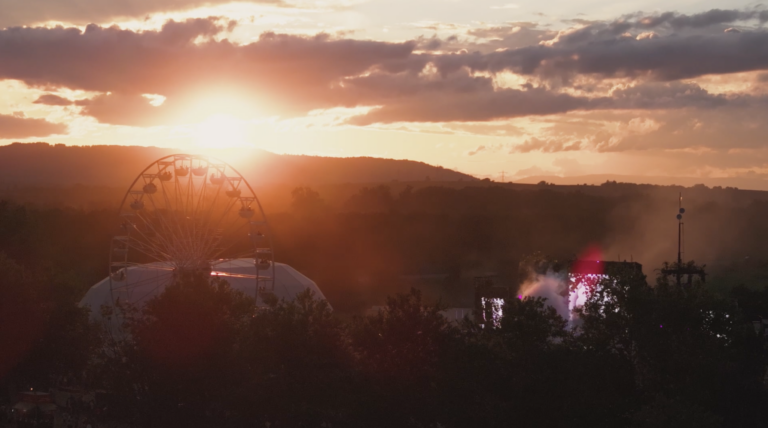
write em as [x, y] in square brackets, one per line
[646, 352]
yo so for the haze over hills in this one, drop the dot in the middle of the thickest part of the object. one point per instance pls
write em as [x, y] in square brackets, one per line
[42, 164]
[745, 182]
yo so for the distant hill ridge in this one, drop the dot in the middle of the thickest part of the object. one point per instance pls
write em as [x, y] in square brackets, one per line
[596, 179]
[43, 164]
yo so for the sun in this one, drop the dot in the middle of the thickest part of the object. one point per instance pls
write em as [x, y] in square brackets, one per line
[221, 131]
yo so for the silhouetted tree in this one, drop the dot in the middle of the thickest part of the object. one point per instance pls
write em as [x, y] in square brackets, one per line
[174, 363]
[297, 367]
[400, 350]
[375, 199]
[307, 202]
[44, 335]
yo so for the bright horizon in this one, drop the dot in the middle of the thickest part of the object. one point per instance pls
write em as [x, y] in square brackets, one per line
[642, 89]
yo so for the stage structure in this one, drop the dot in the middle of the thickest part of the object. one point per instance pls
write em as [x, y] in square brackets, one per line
[191, 213]
[489, 300]
[585, 275]
[578, 280]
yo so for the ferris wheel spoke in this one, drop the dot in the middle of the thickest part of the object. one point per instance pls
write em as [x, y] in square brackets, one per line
[147, 251]
[229, 246]
[190, 192]
[177, 191]
[177, 235]
[189, 215]
[212, 206]
[233, 227]
[182, 244]
[165, 190]
[201, 193]
[145, 245]
[213, 228]
[159, 237]
[227, 209]
[164, 225]
[170, 234]
[149, 224]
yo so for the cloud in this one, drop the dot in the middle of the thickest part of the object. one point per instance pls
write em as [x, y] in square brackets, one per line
[532, 172]
[568, 166]
[53, 100]
[665, 23]
[125, 109]
[547, 146]
[513, 35]
[672, 95]
[18, 127]
[291, 75]
[111, 59]
[99, 58]
[476, 151]
[658, 58]
[507, 6]
[700, 20]
[718, 133]
[81, 12]
[459, 98]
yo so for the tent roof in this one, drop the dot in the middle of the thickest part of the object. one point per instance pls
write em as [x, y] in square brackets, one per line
[147, 281]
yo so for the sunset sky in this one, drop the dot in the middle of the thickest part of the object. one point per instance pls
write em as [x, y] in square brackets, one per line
[527, 87]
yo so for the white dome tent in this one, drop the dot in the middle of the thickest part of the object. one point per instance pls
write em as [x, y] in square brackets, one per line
[190, 213]
[150, 282]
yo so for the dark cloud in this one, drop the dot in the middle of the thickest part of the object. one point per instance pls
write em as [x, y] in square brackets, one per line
[672, 95]
[17, 127]
[660, 58]
[99, 58]
[122, 109]
[81, 12]
[664, 23]
[468, 104]
[701, 20]
[53, 100]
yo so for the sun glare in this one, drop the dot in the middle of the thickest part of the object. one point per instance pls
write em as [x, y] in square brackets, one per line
[221, 131]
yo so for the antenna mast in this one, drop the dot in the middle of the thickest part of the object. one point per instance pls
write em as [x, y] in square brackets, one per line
[681, 210]
[678, 270]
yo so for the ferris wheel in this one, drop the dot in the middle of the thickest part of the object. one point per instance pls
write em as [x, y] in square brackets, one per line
[188, 213]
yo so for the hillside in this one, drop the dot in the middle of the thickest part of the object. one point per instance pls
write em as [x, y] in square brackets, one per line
[41, 164]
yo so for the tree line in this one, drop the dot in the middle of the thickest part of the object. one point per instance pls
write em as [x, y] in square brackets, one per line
[202, 354]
